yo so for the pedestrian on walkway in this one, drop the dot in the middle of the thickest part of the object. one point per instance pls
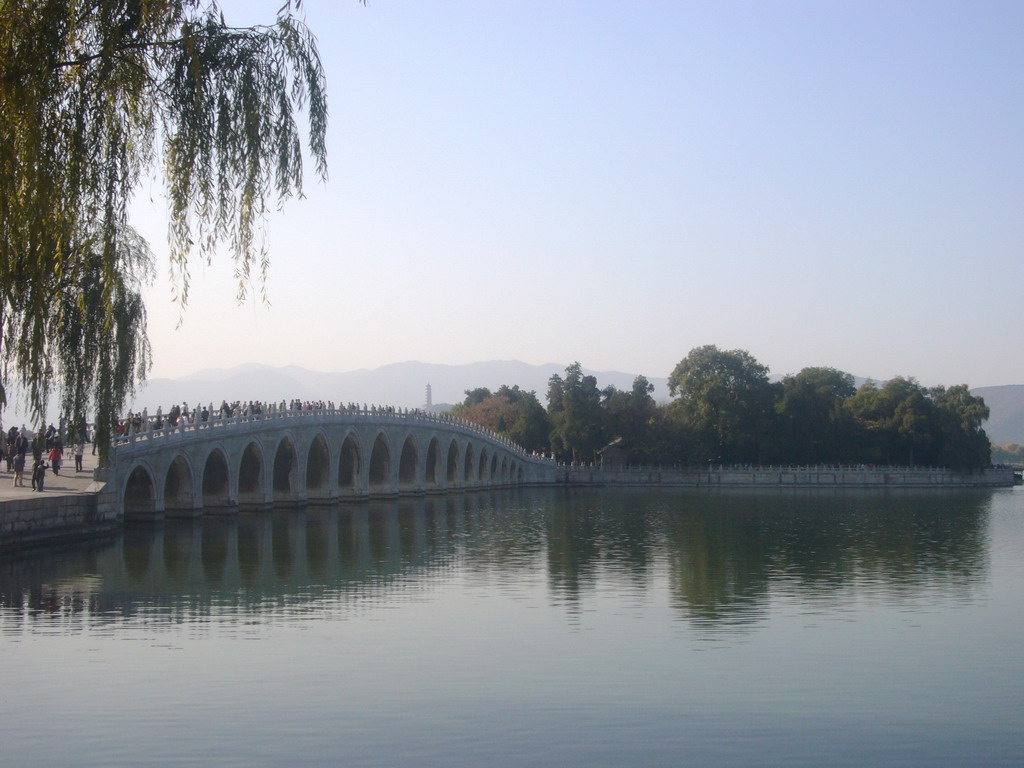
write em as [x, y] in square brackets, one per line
[79, 451]
[38, 474]
[19, 470]
[12, 435]
[56, 456]
[20, 449]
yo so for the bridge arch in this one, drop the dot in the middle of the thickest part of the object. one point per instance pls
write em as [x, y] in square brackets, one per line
[452, 467]
[380, 465]
[139, 497]
[251, 483]
[349, 464]
[469, 465]
[216, 487]
[286, 471]
[408, 464]
[318, 468]
[179, 495]
[482, 470]
[431, 474]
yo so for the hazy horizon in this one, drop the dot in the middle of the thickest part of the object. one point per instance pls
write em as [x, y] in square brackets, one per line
[404, 386]
[817, 183]
[14, 408]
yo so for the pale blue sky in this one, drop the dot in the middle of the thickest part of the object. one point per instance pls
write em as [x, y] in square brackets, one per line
[820, 183]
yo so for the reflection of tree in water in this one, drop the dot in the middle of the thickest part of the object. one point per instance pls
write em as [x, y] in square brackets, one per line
[728, 552]
[573, 552]
[725, 555]
[504, 535]
[717, 563]
[594, 536]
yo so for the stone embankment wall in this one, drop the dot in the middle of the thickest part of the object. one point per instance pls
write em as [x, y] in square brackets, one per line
[49, 520]
[789, 477]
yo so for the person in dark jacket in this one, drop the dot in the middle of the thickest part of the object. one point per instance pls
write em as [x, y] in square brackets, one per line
[38, 474]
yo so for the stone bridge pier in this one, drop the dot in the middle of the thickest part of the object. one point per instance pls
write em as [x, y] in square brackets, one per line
[295, 457]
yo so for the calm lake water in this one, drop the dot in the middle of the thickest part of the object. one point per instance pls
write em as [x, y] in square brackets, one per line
[530, 628]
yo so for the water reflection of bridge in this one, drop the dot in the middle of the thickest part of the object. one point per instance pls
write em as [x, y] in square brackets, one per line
[282, 551]
[289, 457]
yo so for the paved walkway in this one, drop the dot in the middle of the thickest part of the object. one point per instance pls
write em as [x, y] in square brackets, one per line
[67, 482]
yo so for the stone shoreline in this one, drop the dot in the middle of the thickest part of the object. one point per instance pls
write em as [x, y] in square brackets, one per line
[50, 520]
[789, 477]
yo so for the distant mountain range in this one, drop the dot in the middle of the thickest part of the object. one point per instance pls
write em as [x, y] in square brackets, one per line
[1006, 413]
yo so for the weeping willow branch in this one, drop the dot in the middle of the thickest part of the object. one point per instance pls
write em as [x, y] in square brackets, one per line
[94, 94]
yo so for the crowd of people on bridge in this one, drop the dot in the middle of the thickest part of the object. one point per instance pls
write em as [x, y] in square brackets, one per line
[181, 415]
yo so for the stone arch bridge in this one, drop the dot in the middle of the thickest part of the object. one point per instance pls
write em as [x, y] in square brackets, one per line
[294, 457]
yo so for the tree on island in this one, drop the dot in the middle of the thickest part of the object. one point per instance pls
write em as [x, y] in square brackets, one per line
[578, 425]
[725, 399]
[511, 412]
[960, 416]
[813, 426]
[727, 411]
[903, 422]
[631, 416]
[95, 95]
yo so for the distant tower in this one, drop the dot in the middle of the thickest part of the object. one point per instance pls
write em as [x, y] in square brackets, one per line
[430, 399]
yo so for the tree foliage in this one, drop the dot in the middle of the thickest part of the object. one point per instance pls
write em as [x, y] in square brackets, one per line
[629, 415]
[724, 396]
[578, 428]
[813, 425]
[896, 421]
[511, 411]
[727, 411]
[94, 94]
